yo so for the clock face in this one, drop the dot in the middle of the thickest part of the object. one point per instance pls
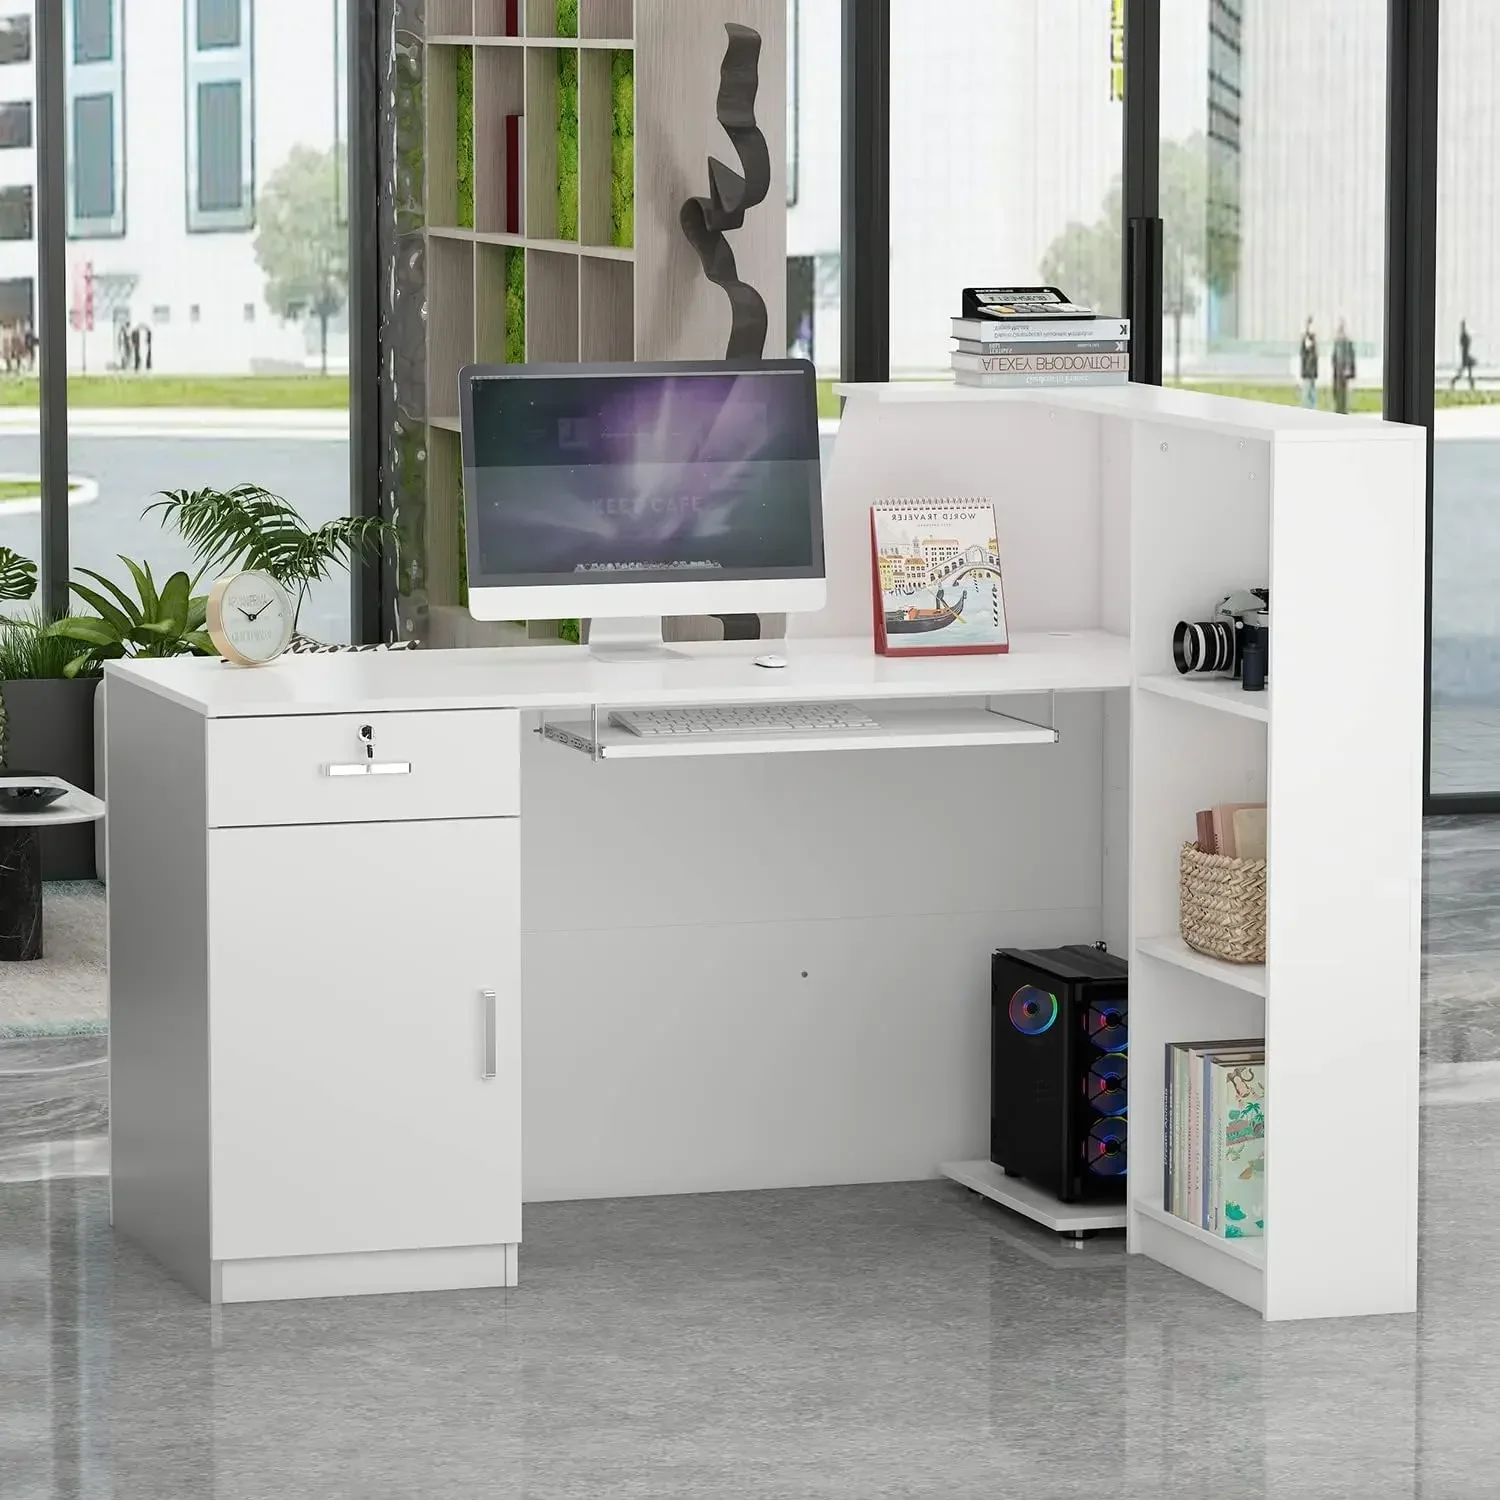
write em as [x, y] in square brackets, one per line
[250, 618]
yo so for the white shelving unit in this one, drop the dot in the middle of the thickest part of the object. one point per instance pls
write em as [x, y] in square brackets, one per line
[1339, 764]
[1159, 503]
[1210, 692]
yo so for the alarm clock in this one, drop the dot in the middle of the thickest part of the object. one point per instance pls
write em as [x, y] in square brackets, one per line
[250, 618]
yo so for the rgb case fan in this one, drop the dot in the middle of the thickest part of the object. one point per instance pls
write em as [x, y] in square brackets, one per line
[1058, 1069]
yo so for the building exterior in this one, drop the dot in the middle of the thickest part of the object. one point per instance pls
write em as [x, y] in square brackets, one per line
[177, 113]
[1006, 139]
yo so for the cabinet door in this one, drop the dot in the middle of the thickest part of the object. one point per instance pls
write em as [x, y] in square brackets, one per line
[348, 1021]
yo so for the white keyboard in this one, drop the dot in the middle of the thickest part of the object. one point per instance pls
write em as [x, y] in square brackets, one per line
[759, 718]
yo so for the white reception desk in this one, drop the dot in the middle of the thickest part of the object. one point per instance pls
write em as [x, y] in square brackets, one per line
[770, 969]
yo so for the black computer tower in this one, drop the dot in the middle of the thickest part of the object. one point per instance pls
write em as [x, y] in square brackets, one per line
[1058, 1070]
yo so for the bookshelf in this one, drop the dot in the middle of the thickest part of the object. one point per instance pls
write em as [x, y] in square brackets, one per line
[1334, 748]
[1159, 503]
[582, 259]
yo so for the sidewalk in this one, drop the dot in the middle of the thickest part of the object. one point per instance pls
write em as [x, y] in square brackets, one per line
[184, 421]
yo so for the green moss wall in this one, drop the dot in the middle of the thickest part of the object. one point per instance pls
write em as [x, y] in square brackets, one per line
[567, 17]
[515, 306]
[567, 144]
[622, 150]
[464, 146]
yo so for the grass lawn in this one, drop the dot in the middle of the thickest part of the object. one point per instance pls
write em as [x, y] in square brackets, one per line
[828, 404]
[248, 392]
[1361, 399]
[23, 489]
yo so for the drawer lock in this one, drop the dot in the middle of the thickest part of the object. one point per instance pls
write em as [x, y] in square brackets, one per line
[369, 766]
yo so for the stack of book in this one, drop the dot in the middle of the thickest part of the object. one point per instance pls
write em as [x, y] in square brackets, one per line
[1237, 829]
[1215, 1136]
[1034, 336]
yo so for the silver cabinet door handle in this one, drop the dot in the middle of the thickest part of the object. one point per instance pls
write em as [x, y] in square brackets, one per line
[491, 1040]
[368, 768]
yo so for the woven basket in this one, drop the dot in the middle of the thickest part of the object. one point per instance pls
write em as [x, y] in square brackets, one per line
[1224, 905]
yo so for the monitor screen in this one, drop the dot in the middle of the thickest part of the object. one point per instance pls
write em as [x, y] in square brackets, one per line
[648, 475]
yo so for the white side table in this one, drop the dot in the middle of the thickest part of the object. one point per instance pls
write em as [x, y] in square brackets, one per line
[21, 861]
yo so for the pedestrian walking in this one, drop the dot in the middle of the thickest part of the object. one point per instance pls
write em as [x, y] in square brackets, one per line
[1343, 368]
[1466, 359]
[135, 348]
[1308, 354]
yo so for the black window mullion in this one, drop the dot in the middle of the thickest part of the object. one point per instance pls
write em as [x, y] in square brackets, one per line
[1141, 188]
[52, 302]
[1411, 258]
[865, 255]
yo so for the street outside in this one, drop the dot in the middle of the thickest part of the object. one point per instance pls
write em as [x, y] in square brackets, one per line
[303, 457]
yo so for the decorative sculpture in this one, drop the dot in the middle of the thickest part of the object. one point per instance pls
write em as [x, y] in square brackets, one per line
[732, 194]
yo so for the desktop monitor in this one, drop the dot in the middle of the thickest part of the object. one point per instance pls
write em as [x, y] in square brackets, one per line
[620, 493]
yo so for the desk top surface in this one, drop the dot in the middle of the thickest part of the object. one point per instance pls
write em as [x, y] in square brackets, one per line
[551, 677]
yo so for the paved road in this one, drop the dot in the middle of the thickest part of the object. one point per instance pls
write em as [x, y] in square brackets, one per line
[312, 473]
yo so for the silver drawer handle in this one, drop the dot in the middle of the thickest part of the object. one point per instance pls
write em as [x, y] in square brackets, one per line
[368, 768]
[490, 1033]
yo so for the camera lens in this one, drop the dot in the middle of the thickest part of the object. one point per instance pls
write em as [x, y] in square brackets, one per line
[1203, 646]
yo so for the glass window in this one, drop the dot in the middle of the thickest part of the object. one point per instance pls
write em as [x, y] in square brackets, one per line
[94, 116]
[220, 183]
[220, 123]
[814, 207]
[218, 23]
[15, 40]
[20, 498]
[94, 156]
[169, 304]
[16, 221]
[1272, 169]
[1465, 751]
[1006, 146]
[15, 124]
[93, 31]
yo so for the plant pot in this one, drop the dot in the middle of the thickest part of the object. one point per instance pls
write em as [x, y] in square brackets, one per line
[50, 730]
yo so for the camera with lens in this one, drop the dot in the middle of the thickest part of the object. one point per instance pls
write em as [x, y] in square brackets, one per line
[1235, 643]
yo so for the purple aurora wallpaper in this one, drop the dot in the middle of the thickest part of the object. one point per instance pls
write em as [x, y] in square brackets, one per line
[644, 478]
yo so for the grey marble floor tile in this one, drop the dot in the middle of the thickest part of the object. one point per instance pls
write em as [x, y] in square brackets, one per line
[904, 1341]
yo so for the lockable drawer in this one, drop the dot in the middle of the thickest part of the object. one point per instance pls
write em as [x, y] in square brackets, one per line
[363, 768]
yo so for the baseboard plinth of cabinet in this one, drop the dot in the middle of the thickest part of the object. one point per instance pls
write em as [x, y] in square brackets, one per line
[988, 1180]
[371, 1273]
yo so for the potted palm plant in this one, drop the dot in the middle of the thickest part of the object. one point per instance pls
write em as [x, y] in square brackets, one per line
[249, 527]
[49, 679]
[46, 714]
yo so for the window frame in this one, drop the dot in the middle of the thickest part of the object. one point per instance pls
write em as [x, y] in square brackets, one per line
[89, 80]
[206, 66]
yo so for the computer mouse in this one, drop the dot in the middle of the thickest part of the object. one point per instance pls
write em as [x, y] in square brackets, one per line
[770, 661]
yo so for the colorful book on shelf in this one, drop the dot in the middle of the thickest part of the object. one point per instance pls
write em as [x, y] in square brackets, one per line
[1187, 1113]
[935, 578]
[1042, 330]
[1237, 1148]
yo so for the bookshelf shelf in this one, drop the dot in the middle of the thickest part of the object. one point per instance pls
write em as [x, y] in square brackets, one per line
[1171, 949]
[1209, 692]
[623, 114]
[1249, 1252]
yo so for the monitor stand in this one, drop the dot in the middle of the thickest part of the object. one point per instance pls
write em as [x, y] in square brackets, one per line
[635, 639]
